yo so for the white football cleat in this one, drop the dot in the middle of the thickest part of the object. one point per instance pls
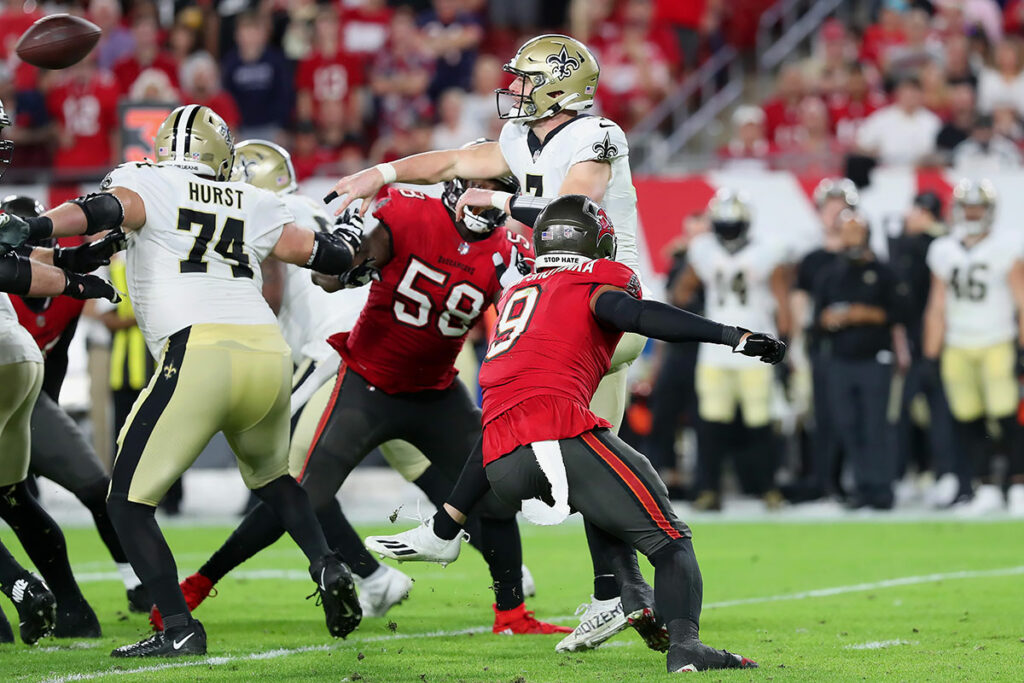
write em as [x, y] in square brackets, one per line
[382, 590]
[1014, 501]
[419, 544]
[987, 499]
[599, 621]
[943, 492]
[530, 586]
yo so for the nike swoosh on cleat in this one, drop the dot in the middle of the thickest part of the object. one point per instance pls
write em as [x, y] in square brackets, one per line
[179, 643]
[323, 586]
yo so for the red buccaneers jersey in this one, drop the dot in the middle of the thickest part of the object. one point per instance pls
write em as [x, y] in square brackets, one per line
[47, 326]
[430, 295]
[547, 355]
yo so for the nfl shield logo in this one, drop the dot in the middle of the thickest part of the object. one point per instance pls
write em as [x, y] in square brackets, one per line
[463, 248]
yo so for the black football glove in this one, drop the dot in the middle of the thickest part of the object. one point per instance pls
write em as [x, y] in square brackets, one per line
[361, 275]
[931, 374]
[14, 232]
[1020, 361]
[89, 287]
[762, 346]
[86, 258]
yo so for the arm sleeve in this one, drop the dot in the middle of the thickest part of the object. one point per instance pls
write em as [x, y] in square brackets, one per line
[661, 321]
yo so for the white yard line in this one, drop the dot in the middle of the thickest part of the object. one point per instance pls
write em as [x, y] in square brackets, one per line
[284, 652]
[875, 585]
[879, 644]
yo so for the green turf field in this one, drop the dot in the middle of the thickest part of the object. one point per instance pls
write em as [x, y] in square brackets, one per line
[904, 601]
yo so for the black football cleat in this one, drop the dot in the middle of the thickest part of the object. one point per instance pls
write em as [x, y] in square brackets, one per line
[77, 620]
[696, 656]
[336, 590]
[139, 601]
[182, 641]
[37, 608]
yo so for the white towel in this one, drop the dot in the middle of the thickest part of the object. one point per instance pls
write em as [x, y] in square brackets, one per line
[549, 457]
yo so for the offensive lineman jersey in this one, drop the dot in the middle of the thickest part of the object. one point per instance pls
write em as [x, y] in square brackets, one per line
[547, 355]
[979, 304]
[737, 291]
[16, 344]
[308, 314]
[430, 294]
[541, 169]
[197, 258]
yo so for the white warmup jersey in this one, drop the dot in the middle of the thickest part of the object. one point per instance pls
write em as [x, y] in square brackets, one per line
[309, 315]
[541, 169]
[16, 344]
[979, 304]
[737, 291]
[197, 258]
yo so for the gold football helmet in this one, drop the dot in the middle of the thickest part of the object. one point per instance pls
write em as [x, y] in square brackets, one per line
[264, 164]
[969, 194]
[196, 139]
[730, 216]
[557, 73]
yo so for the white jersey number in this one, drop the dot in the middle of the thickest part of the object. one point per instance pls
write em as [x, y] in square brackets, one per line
[514, 320]
[462, 305]
[229, 245]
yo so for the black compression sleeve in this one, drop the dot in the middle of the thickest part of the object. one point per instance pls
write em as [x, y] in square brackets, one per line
[15, 274]
[661, 321]
[331, 256]
[526, 209]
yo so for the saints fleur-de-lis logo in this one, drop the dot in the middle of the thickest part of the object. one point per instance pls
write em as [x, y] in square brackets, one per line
[605, 149]
[562, 64]
[170, 371]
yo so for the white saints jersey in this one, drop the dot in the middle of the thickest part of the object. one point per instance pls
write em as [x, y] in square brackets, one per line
[979, 304]
[197, 258]
[16, 344]
[309, 315]
[737, 291]
[541, 169]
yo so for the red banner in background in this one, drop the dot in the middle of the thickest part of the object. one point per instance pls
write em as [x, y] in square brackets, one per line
[663, 205]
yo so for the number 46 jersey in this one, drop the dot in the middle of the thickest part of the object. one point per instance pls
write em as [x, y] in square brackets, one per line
[197, 258]
[979, 304]
[430, 294]
[737, 291]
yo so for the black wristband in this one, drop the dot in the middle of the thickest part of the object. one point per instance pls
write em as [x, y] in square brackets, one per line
[39, 228]
[15, 274]
[526, 209]
[731, 336]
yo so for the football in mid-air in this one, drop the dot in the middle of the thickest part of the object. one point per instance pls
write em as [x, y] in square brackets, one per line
[58, 41]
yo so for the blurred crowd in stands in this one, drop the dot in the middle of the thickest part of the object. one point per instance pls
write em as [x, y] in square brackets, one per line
[341, 84]
[927, 83]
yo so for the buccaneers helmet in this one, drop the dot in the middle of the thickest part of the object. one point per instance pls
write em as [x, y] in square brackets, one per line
[570, 230]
